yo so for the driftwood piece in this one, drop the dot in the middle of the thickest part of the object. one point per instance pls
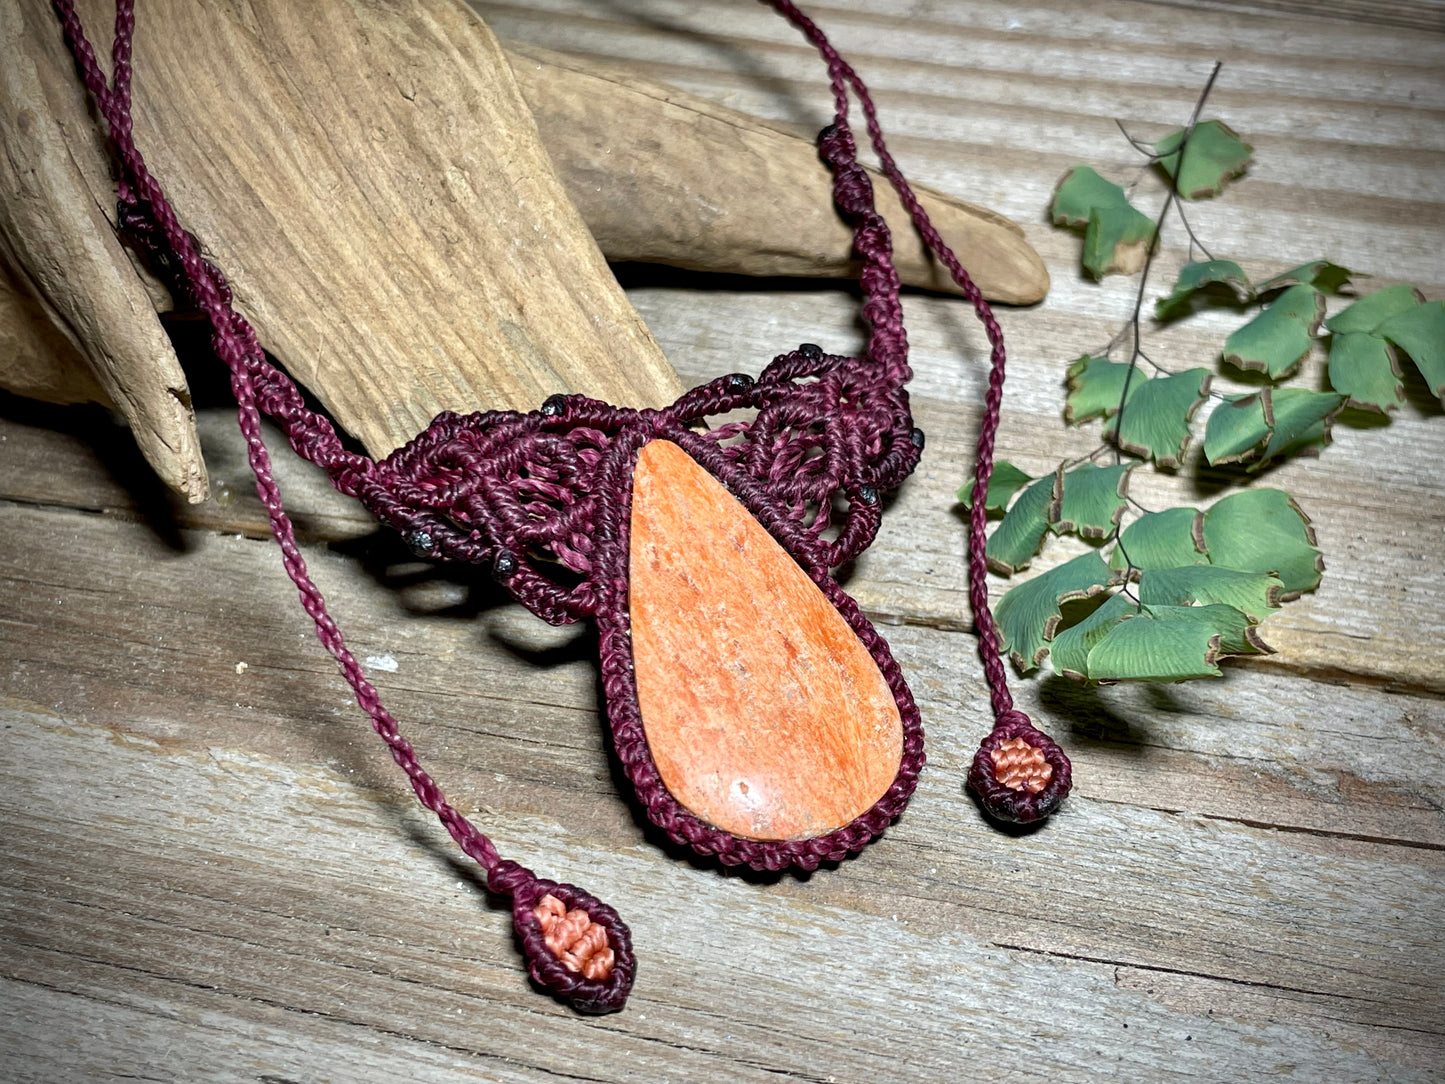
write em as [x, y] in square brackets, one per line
[368, 235]
[36, 358]
[59, 247]
[373, 185]
[664, 176]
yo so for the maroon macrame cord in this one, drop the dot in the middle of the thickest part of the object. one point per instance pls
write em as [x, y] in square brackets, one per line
[1000, 801]
[534, 489]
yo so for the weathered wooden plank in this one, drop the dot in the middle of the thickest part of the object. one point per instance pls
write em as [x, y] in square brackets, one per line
[1417, 14]
[1231, 749]
[79, 458]
[1211, 1000]
[95, 1021]
[197, 919]
[135, 647]
[1374, 619]
[1255, 746]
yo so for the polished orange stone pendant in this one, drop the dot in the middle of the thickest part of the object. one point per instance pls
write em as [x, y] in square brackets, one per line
[764, 713]
[771, 731]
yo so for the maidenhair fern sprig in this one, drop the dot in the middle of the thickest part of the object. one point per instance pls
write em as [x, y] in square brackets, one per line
[1181, 588]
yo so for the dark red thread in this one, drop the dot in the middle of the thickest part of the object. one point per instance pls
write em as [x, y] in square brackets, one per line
[526, 493]
[1018, 804]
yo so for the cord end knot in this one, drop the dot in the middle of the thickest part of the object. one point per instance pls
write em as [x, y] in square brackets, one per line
[1019, 774]
[576, 946]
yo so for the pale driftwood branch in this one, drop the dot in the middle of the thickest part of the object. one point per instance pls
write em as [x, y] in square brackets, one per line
[36, 359]
[60, 247]
[374, 186]
[664, 176]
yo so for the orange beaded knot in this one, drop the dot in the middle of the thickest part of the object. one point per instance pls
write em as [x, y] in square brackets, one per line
[575, 939]
[1021, 766]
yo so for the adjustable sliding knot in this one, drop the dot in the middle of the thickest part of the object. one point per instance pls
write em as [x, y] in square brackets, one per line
[1019, 773]
[575, 945]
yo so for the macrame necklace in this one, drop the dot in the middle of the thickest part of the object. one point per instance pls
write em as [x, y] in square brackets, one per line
[581, 511]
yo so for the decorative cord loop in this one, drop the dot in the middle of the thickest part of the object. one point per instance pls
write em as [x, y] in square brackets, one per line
[603, 994]
[1019, 773]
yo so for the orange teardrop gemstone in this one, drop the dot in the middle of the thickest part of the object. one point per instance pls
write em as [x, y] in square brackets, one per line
[764, 713]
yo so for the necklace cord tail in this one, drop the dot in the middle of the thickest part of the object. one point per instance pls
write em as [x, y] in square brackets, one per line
[524, 493]
[254, 378]
[1004, 801]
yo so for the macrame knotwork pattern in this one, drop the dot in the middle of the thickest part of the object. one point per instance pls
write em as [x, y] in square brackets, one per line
[536, 496]
[542, 498]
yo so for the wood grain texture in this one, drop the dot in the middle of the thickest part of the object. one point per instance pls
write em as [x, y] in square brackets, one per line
[675, 182]
[57, 244]
[218, 875]
[662, 176]
[1410, 14]
[366, 173]
[1185, 892]
[40, 362]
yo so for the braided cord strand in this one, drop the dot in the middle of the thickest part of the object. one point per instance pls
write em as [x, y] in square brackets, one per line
[1005, 801]
[234, 341]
